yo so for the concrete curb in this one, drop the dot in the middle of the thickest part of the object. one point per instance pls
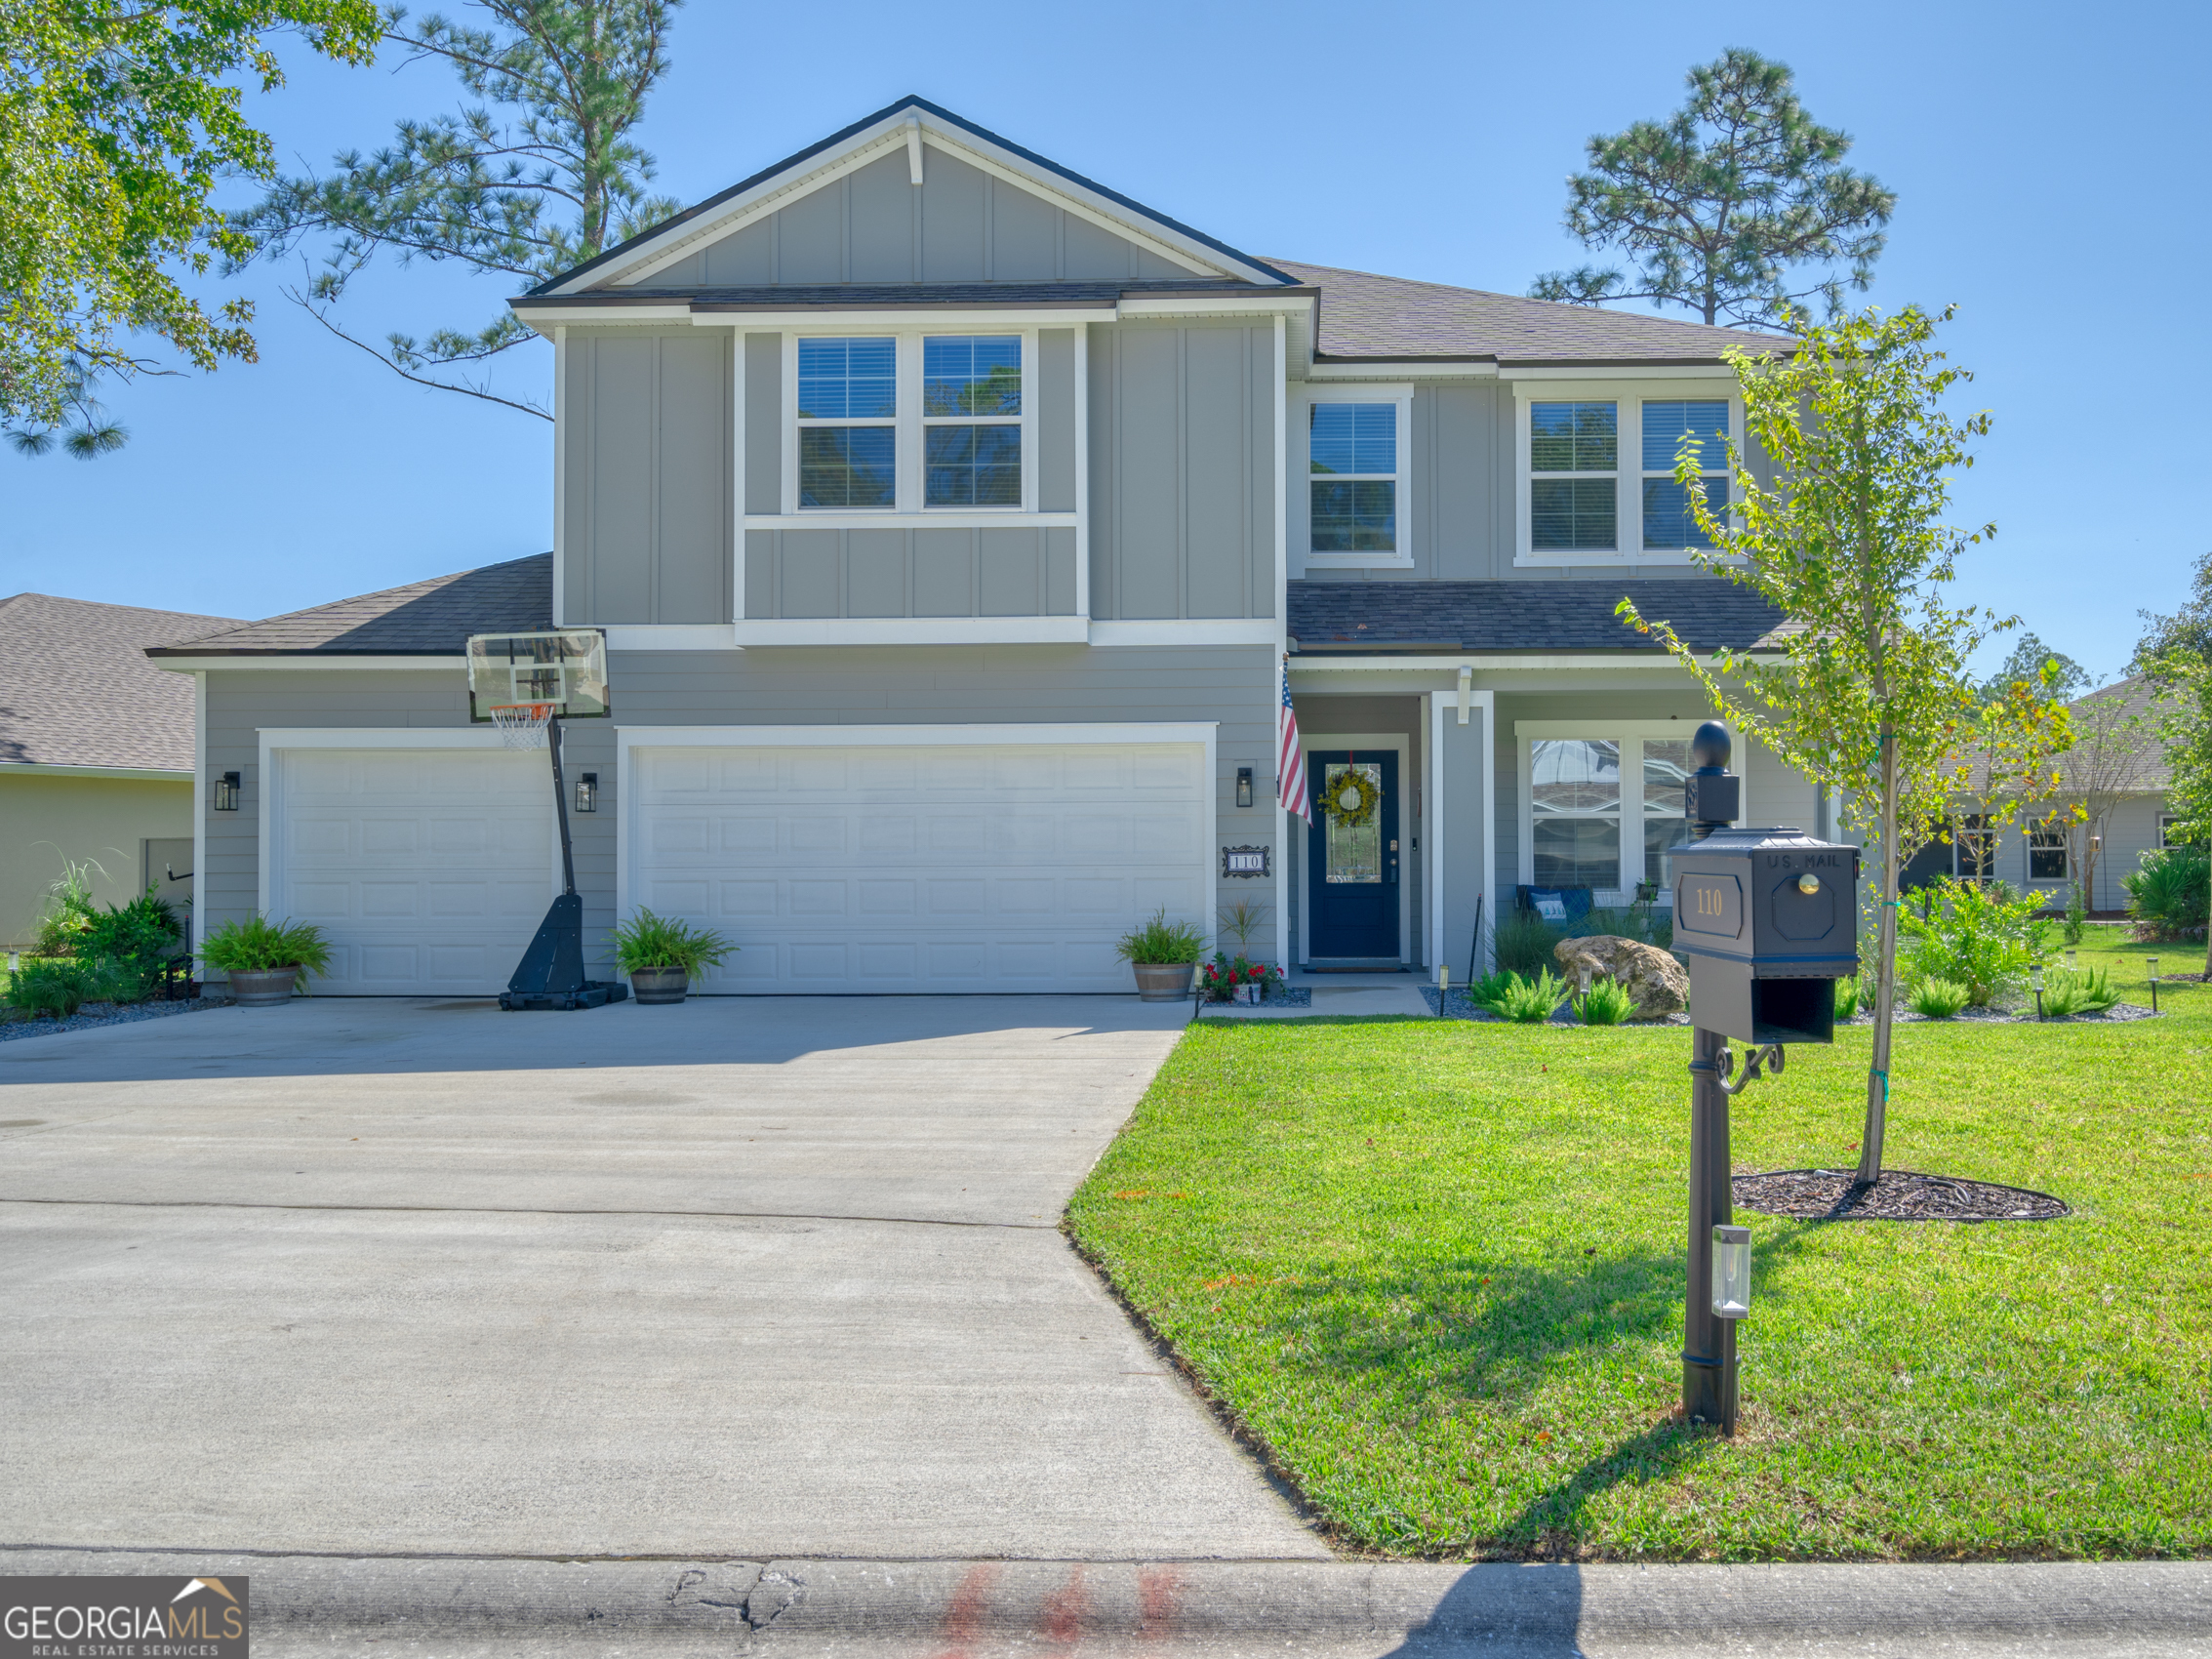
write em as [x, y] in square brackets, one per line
[447, 1606]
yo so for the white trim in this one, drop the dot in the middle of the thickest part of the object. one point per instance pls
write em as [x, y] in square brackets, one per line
[1432, 817]
[803, 177]
[1205, 733]
[545, 320]
[830, 318]
[1192, 631]
[737, 475]
[1488, 702]
[1281, 413]
[276, 661]
[1600, 726]
[484, 736]
[1400, 393]
[671, 637]
[560, 474]
[202, 804]
[1338, 374]
[1623, 372]
[1628, 395]
[914, 149]
[1082, 333]
[1451, 663]
[931, 518]
[1355, 741]
[139, 774]
[1138, 308]
[912, 631]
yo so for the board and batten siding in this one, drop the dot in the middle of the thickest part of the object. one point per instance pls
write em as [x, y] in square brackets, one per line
[873, 225]
[647, 531]
[1231, 685]
[1183, 491]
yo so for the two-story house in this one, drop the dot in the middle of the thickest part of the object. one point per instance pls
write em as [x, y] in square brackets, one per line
[952, 519]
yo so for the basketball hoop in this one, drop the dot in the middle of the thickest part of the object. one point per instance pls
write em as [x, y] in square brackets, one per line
[522, 726]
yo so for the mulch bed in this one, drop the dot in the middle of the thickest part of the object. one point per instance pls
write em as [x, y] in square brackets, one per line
[1901, 1195]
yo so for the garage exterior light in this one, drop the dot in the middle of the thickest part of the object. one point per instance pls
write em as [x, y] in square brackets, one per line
[227, 792]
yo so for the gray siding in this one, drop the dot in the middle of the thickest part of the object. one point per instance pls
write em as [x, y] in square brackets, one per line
[1232, 685]
[1182, 506]
[1055, 393]
[1020, 571]
[764, 423]
[872, 225]
[646, 477]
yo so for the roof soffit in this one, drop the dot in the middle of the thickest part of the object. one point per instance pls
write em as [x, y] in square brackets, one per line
[887, 133]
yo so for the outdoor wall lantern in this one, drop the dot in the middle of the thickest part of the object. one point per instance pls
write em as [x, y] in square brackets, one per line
[227, 792]
[1244, 785]
[1731, 1272]
[588, 792]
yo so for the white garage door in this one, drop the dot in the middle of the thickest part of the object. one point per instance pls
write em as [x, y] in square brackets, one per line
[924, 866]
[428, 871]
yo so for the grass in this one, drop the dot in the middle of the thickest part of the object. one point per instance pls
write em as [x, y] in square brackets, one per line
[1436, 1268]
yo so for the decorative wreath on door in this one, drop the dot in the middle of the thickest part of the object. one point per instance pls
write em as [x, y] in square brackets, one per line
[1352, 799]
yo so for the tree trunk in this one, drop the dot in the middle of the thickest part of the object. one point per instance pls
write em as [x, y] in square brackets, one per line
[1885, 979]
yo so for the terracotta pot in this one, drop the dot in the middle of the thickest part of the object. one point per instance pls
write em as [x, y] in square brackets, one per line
[1164, 982]
[660, 985]
[266, 988]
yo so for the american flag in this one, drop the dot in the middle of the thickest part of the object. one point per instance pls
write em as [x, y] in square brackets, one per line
[1289, 758]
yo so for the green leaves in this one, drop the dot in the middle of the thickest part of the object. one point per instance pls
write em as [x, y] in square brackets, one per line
[537, 179]
[1719, 203]
[115, 123]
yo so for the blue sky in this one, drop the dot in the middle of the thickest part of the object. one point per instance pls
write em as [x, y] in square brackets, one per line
[2046, 161]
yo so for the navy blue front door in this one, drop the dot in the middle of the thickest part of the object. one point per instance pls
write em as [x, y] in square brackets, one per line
[1352, 858]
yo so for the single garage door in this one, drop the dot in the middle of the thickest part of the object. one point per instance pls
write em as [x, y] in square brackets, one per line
[924, 866]
[428, 869]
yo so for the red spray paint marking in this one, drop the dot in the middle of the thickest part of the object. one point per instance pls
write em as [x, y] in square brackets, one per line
[964, 1618]
[1159, 1594]
[1065, 1607]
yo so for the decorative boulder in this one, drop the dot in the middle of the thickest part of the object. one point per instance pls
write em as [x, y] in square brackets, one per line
[1659, 984]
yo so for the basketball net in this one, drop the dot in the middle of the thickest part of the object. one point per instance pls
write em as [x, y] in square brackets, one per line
[522, 726]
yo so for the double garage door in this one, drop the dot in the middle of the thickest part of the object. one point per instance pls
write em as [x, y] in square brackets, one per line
[920, 865]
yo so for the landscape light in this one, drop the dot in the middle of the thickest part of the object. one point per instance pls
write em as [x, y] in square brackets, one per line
[2070, 961]
[2154, 961]
[2035, 983]
[1443, 979]
[1731, 1272]
[227, 792]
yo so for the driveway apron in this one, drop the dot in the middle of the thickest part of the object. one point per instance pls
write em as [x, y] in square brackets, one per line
[752, 1277]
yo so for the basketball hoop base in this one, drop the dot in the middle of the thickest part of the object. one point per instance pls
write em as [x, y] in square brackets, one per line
[552, 973]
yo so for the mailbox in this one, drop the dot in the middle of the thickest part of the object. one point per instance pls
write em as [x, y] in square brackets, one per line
[1769, 919]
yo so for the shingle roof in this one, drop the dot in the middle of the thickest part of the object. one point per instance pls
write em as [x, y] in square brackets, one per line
[423, 619]
[76, 689]
[1576, 615]
[1368, 316]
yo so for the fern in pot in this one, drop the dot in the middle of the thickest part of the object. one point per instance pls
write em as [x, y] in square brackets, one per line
[1164, 955]
[264, 961]
[660, 954]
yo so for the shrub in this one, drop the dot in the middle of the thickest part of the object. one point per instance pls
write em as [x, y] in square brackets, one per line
[2089, 992]
[1938, 998]
[1981, 935]
[258, 945]
[650, 941]
[1529, 1001]
[1846, 999]
[2077, 914]
[138, 936]
[68, 910]
[1605, 1003]
[1646, 923]
[1489, 989]
[59, 985]
[2167, 892]
[1162, 943]
[1522, 943]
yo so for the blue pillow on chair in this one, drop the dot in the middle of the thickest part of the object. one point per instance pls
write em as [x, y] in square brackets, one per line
[1559, 905]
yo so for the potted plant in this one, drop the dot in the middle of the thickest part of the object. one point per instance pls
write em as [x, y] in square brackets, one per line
[1165, 956]
[1242, 980]
[264, 959]
[660, 955]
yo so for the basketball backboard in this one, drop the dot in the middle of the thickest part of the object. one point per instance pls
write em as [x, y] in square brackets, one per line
[562, 672]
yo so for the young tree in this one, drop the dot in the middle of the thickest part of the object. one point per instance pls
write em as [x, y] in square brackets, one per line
[116, 121]
[1871, 695]
[2026, 666]
[539, 177]
[1718, 205]
[2176, 654]
[2187, 630]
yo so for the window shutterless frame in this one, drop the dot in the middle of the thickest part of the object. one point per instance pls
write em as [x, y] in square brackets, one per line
[1397, 396]
[910, 423]
[1573, 452]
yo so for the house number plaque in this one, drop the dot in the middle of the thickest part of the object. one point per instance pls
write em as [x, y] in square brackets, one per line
[1244, 860]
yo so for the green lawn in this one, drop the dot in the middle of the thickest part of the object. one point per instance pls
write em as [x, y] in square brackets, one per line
[1437, 1268]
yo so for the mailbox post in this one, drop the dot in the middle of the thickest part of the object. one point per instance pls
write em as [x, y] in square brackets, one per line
[1769, 920]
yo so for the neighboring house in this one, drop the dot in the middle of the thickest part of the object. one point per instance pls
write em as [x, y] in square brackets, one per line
[95, 754]
[951, 518]
[2115, 774]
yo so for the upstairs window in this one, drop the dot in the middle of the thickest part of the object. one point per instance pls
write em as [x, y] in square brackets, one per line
[1668, 429]
[1574, 476]
[1352, 454]
[971, 419]
[848, 422]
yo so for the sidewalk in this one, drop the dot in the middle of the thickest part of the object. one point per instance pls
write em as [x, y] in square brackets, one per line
[458, 1608]
[1335, 995]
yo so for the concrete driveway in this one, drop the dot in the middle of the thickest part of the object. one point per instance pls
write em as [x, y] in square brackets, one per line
[747, 1277]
